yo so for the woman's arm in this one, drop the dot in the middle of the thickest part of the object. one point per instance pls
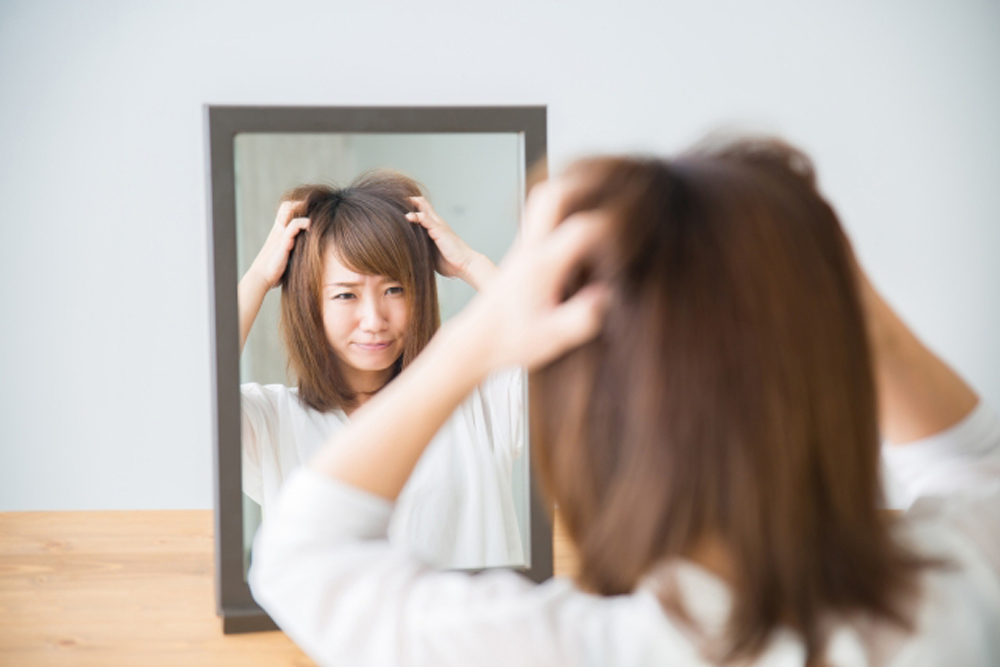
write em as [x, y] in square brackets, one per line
[266, 271]
[326, 574]
[250, 295]
[918, 393]
[943, 443]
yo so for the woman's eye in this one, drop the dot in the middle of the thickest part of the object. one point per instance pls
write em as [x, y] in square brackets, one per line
[344, 296]
[394, 290]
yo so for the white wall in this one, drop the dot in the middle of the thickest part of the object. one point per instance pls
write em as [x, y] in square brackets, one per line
[104, 376]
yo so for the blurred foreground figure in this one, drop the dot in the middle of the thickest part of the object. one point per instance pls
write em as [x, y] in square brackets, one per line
[712, 374]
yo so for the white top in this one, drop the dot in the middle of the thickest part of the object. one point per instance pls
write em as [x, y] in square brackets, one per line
[457, 509]
[327, 576]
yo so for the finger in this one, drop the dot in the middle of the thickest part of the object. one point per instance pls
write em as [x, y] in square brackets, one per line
[576, 321]
[425, 208]
[294, 227]
[567, 246]
[580, 318]
[541, 212]
[286, 212]
[547, 205]
[433, 224]
[419, 218]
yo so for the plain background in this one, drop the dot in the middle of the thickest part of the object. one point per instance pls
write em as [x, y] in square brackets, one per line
[104, 363]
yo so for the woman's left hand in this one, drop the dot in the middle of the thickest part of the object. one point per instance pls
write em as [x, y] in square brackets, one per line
[455, 259]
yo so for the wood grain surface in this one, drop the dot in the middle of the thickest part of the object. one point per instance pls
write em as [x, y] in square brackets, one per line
[129, 589]
[105, 589]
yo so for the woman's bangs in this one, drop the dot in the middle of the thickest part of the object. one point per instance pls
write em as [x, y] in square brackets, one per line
[372, 245]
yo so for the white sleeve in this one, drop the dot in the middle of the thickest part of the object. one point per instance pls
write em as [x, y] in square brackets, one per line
[954, 476]
[254, 438]
[963, 460]
[505, 394]
[325, 573]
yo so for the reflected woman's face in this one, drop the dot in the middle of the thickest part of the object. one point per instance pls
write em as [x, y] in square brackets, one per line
[365, 318]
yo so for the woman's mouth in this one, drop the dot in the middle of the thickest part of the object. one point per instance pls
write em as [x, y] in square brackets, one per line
[373, 347]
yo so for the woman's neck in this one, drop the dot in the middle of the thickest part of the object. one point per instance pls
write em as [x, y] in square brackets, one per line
[360, 398]
[364, 385]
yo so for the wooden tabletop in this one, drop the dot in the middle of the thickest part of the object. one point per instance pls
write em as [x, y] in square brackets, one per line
[133, 589]
[104, 589]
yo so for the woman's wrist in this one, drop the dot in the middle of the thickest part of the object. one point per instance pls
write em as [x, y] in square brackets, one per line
[479, 271]
[254, 281]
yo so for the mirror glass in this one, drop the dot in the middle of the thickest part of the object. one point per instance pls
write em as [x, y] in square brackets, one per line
[467, 504]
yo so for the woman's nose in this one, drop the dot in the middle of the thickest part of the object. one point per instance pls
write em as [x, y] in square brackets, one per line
[372, 316]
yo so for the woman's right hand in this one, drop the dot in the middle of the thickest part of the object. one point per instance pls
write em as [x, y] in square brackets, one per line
[271, 261]
[268, 267]
[520, 319]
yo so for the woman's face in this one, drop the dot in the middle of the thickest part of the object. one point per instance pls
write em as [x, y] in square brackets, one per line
[365, 318]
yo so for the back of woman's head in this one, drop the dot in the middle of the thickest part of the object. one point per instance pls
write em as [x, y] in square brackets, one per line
[365, 226]
[729, 397]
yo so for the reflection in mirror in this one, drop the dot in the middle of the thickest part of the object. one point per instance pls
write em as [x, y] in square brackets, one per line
[359, 291]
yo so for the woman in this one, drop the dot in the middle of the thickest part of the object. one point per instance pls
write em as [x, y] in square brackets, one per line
[358, 303]
[706, 360]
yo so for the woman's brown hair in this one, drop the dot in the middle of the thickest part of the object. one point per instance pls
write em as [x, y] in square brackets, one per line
[729, 398]
[366, 227]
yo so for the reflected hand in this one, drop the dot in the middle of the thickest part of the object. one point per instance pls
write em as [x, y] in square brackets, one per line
[272, 259]
[455, 256]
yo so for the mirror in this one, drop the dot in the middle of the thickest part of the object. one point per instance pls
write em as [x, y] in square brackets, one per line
[470, 502]
[475, 182]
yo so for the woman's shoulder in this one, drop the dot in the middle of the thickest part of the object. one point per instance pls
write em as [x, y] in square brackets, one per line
[267, 390]
[271, 393]
[496, 408]
[273, 399]
[506, 379]
[504, 388]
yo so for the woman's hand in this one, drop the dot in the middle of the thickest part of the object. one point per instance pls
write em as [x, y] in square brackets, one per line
[266, 271]
[455, 259]
[272, 259]
[520, 319]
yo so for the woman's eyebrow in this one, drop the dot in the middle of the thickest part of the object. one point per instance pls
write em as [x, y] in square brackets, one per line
[382, 279]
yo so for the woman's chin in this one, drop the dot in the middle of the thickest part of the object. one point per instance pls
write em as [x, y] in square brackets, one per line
[373, 361]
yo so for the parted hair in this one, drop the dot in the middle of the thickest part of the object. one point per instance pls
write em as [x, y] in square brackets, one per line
[366, 227]
[729, 397]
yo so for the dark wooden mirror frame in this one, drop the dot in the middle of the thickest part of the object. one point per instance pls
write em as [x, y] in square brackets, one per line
[234, 603]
